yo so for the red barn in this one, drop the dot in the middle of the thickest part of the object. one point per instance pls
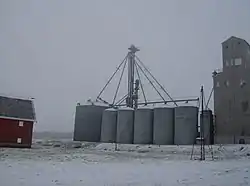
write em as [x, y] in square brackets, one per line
[17, 117]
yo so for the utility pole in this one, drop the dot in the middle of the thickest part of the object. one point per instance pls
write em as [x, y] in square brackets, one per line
[131, 74]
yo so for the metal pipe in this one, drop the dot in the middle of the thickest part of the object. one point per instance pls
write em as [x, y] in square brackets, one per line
[154, 102]
[130, 79]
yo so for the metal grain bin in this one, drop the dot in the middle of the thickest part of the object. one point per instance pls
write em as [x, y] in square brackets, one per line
[109, 119]
[186, 125]
[143, 126]
[88, 119]
[125, 125]
[208, 126]
[163, 126]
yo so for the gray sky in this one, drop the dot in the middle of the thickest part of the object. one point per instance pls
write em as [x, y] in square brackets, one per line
[63, 51]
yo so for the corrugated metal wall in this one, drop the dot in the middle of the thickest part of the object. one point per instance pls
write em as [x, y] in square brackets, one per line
[10, 132]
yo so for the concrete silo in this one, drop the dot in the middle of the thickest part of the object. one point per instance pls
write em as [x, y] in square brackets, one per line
[208, 126]
[109, 123]
[125, 125]
[88, 119]
[163, 126]
[143, 126]
[186, 125]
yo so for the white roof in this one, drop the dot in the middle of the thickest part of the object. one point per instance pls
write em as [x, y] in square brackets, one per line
[111, 109]
[164, 106]
[97, 103]
[145, 107]
[126, 108]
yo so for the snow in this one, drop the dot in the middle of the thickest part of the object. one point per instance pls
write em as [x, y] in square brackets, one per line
[163, 106]
[94, 102]
[111, 109]
[70, 163]
[146, 108]
[125, 108]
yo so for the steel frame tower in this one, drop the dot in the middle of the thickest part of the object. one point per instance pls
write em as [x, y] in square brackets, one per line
[131, 75]
[137, 70]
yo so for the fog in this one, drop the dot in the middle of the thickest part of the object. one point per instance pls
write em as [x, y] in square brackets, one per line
[62, 52]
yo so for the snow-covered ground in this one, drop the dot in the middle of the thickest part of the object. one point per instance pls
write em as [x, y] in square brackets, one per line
[71, 164]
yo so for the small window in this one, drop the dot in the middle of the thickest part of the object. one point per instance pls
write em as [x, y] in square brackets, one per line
[218, 84]
[241, 141]
[232, 62]
[238, 43]
[19, 140]
[226, 63]
[20, 123]
[244, 106]
[238, 61]
[242, 83]
[226, 46]
[227, 83]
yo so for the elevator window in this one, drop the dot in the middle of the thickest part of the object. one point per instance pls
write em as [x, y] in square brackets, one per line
[244, 106]
[242, 83]
[226, 63]
[227, 83]
[238, 61]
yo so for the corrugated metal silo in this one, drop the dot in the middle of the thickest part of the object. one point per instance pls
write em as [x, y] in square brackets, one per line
[186, 125]
[163, 126]
[143, 126]
[88, 119]
[109, 119]
[125, 125]
[208, 126]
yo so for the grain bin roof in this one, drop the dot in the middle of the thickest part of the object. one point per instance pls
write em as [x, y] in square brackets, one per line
[15, 108]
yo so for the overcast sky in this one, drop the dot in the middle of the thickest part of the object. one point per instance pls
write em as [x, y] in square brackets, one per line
[63, 51]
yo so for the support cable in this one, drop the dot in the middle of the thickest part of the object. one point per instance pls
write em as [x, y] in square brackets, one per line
[104, 101]
[121, 100]
[118, 68]
[118, 86]
[155, 80]
[138, 74]
[204, 101]
[198, 103]
[150, 81]
[209, 97]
